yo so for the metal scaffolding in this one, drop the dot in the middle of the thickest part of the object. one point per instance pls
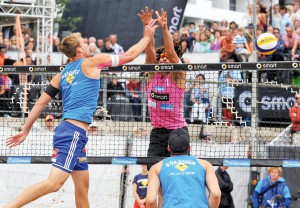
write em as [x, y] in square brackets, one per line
[41, 12]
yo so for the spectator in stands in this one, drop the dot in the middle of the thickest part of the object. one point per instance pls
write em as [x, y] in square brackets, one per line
[134, 92]
[228, 78]
[249, 33]
[13, 43]
[2, 54]
[114, 45]
[241, 45]
[227, 47]
[28, 61]
[290, 14]
[233, 25]
[276, 17]
[216, 43]
[270, 29]
[49, 122]
[8, 47]
[223, 31]
[295, 118]
[296, 10]
[296, 51]
[1, 37]
[215, 27]
[56, 44]
[2, 87]
[285, 21]
[289, 40]
[192, 38]
[114, 87]
[209, 35]
[296, 24]
[100, 44]
[107, 47]
[226, 187]
[3, 95]
[278, 54]
[224, 23]
[273, 190]
[261, 17]
[200, 100]
[30, 45]
[201, 45]
[192, 25]
[184, 35]
[201, 27]
[247, 19]
[86, 40]
[93, 49]
[93, 129]
[176, 36]
[184, 46]
[139, 186]
[92, 40]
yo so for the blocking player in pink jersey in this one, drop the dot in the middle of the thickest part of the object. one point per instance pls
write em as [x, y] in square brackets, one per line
[165, 90]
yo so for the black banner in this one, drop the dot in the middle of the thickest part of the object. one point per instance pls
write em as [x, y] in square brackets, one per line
[164, 67]
[273, 102]
[103, 17]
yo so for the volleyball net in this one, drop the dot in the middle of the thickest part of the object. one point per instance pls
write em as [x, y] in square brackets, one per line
[237, 113]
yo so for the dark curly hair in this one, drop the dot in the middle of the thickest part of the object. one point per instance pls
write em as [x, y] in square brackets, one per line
[177, 48]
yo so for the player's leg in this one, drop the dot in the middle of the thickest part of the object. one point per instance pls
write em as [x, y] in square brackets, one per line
[80, 176]
[81, 182]
[53, 183]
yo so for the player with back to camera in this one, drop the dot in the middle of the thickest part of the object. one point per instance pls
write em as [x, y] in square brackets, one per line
[79, 83]
[165, 90]
[183, 179]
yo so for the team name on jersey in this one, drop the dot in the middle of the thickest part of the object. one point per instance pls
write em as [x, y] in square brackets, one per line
[176, 162]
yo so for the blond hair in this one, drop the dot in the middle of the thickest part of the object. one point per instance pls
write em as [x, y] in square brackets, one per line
[70, 43]
[241, 29]
[275, 168]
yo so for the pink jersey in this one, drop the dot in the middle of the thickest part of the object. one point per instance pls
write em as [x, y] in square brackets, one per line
[165, 102]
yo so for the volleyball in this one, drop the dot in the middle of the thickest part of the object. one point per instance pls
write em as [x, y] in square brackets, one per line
[266, 43]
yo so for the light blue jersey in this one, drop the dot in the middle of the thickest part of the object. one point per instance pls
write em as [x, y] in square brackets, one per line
[183, 182]
[80, 93]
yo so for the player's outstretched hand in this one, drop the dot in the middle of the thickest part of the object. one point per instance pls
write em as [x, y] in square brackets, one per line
[16, 139]
[150, 28]
[146, 16]
[162, 18]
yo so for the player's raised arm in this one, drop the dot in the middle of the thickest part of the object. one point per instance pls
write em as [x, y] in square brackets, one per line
[103, 60]
[146, 17]
[168, 42]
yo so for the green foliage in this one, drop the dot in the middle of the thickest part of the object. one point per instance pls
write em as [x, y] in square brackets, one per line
[67, 21]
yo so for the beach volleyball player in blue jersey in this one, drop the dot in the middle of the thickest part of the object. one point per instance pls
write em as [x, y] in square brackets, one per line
[79, 84]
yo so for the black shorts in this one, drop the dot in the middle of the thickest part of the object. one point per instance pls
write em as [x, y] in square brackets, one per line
[159, 139]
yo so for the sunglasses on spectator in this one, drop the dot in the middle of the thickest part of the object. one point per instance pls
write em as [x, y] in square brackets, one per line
[184, 35]
[275, 32]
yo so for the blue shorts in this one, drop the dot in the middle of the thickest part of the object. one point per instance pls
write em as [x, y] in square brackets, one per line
[69, 147]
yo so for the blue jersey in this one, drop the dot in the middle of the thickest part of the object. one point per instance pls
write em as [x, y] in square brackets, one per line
[183, 182]
[80, 93]
[142, 185]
